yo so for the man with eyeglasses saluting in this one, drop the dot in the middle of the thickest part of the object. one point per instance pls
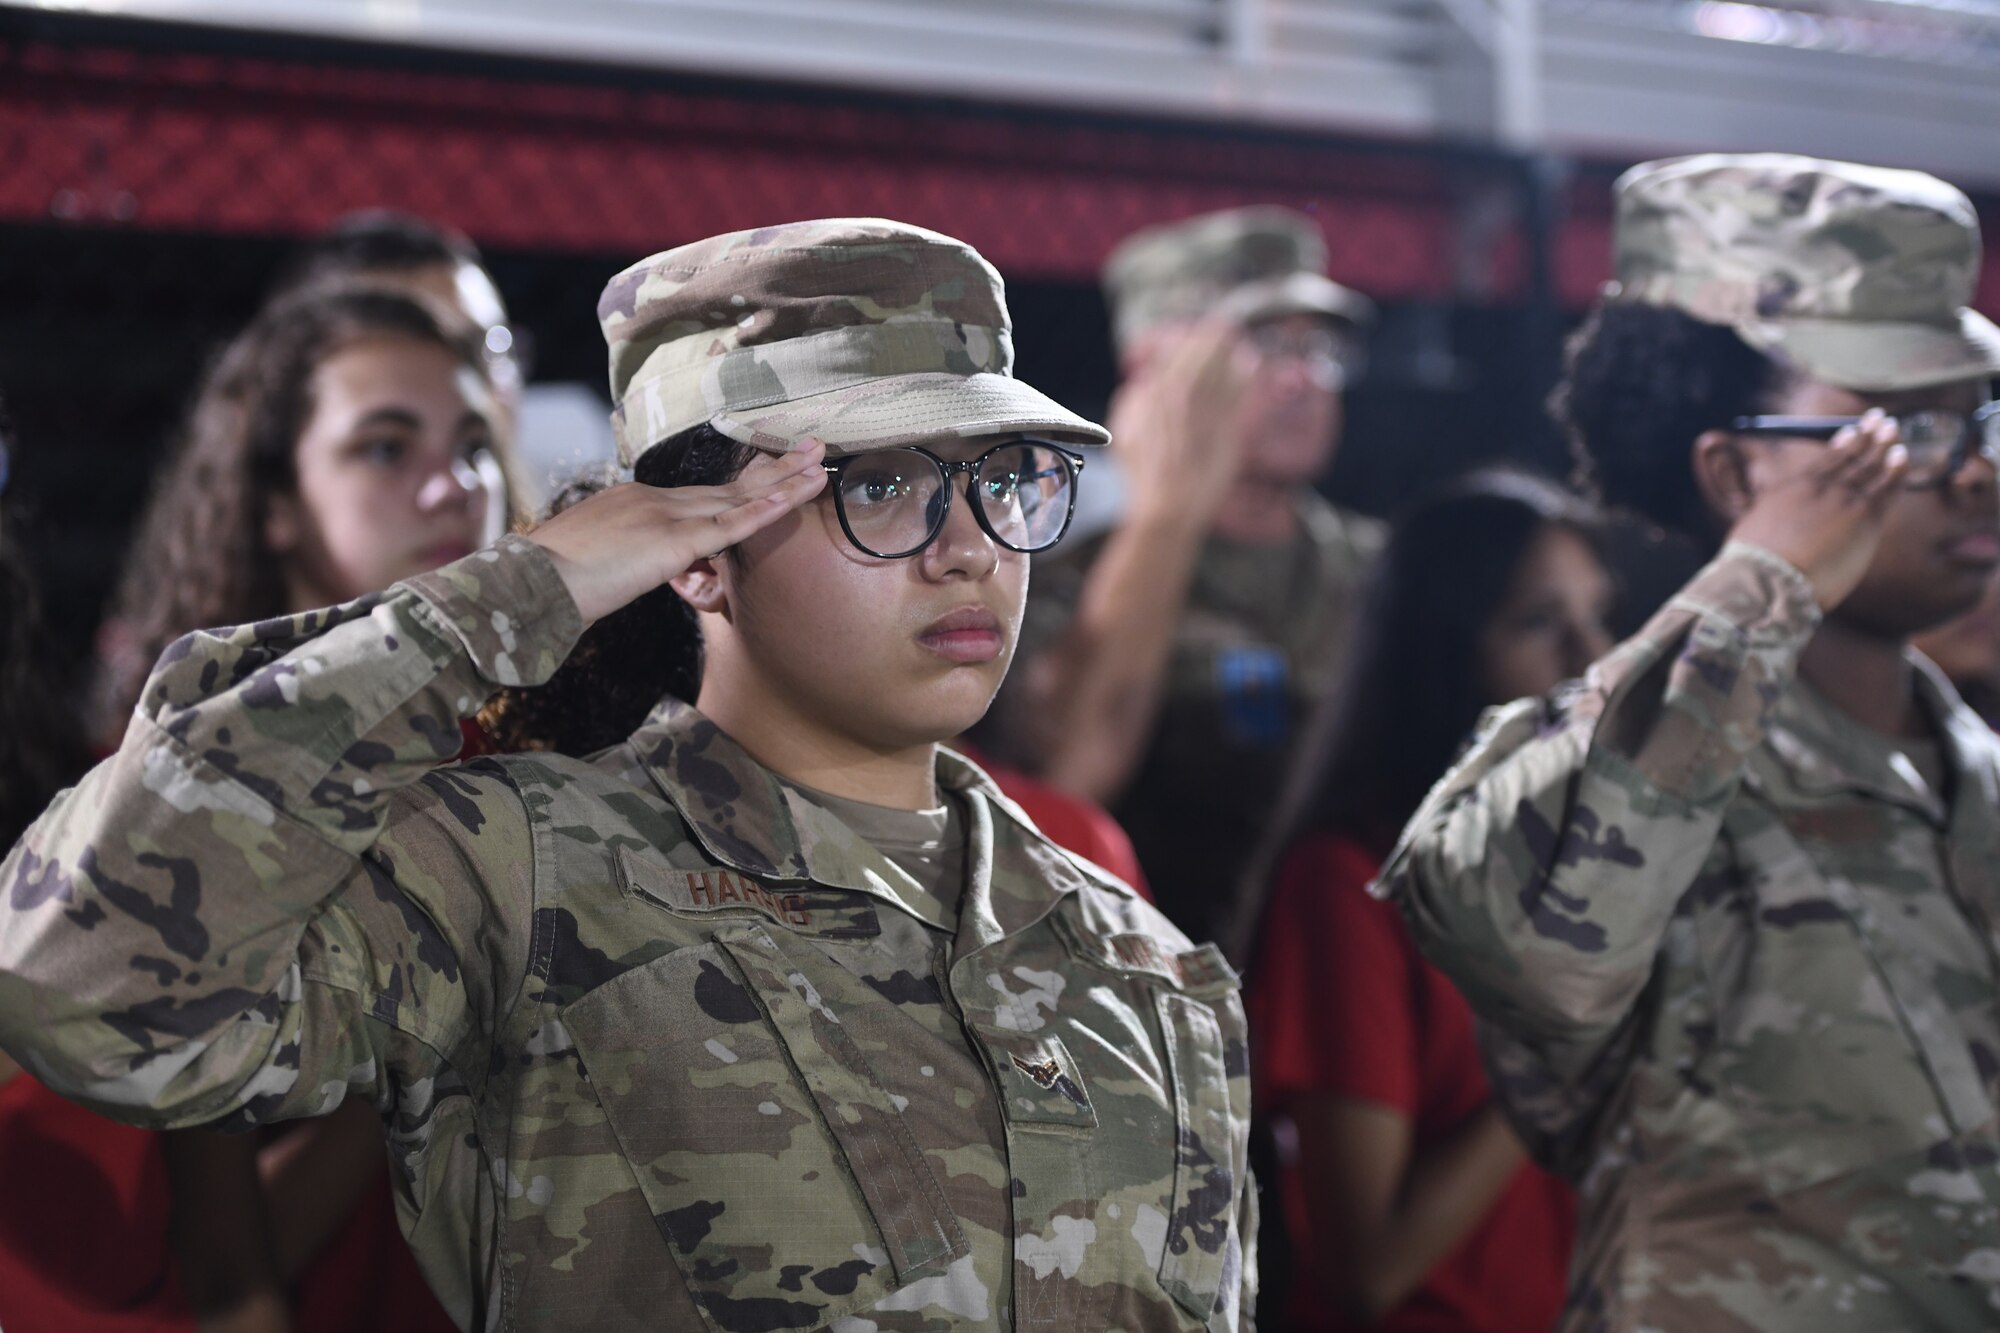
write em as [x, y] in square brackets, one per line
[1168, 665]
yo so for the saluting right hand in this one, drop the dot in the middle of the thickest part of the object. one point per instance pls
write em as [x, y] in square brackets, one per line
[1822, 508]
[622, 543]
[1175, 422]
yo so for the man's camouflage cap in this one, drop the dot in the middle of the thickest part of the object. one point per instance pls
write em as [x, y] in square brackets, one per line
[1858, 275]
[1250, 263]
[861, 332]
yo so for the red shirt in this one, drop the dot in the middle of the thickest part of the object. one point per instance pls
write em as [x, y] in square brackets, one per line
[83, 1221]
[84, 1244]
[1341, 1003]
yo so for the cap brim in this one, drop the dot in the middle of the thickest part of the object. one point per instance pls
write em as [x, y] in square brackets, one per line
[1301, 293]
[908, 409]
[1885, 356]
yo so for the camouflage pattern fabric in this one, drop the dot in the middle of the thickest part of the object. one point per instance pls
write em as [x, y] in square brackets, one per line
[1737, 965]
[656, 1041]
[1259, 646]
[1250, 263]
[862, 332]
[1861, 275]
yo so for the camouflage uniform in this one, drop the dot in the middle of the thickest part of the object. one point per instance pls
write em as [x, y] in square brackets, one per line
[657, 1040]
[1265, 629]
[1736, 955]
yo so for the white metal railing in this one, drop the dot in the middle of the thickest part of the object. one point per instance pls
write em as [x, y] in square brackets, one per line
[1962, 33]
[1885, 80]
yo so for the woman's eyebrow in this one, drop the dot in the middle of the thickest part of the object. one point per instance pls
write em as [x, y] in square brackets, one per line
[1929, 400]
[390, 416]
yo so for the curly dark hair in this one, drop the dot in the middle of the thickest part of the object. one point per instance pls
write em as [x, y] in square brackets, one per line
[200, 558]
[1641, 383]
[631, 659]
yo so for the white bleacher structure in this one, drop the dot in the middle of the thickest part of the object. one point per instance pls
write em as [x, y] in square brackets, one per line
[1884, 80]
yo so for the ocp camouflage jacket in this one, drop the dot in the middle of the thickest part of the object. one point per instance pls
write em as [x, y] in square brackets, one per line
[1737, 963]
[657, 1041]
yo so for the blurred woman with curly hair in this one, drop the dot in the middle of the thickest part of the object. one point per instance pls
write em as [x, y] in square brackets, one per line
[347, 439]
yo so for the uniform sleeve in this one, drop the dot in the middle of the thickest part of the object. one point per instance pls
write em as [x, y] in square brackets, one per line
[1252, 1227]
[1541, 874]
[268, 895]
[1334, 984]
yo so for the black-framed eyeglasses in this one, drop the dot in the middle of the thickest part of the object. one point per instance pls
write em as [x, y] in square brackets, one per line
[1938, 443]
[1329, 357]
[892, 503]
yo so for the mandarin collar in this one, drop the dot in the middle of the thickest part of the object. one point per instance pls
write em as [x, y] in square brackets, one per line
[1822, 751]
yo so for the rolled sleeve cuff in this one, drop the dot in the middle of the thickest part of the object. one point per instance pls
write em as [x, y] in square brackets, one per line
[1761, 593]
[510, 609]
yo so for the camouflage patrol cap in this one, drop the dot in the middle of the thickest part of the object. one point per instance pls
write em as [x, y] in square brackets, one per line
[1858, 275]
[861, 332]
[1251, 263]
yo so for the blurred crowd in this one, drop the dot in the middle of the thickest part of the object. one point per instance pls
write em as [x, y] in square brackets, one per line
[1589, 985]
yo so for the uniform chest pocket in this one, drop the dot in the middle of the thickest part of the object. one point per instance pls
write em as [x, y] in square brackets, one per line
[783, 1179]
[1835, 1050]
[1175, 1138]
[1041, 1087]
[1201, 1262]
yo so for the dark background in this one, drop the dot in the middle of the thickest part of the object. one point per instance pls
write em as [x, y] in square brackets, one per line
[153, 178]
[103, 335]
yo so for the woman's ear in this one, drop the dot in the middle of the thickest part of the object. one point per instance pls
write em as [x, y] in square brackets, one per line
[1722, 473]
[701, 587]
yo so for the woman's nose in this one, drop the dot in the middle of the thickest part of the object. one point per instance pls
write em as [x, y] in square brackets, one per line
[962, 545]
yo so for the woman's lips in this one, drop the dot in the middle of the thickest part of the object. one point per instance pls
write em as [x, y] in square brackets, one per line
[967, 637]
[1975, 548]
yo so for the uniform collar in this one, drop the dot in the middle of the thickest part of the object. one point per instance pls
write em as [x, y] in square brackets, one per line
[751, 821]
[1822, 751]
[1319, 518]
